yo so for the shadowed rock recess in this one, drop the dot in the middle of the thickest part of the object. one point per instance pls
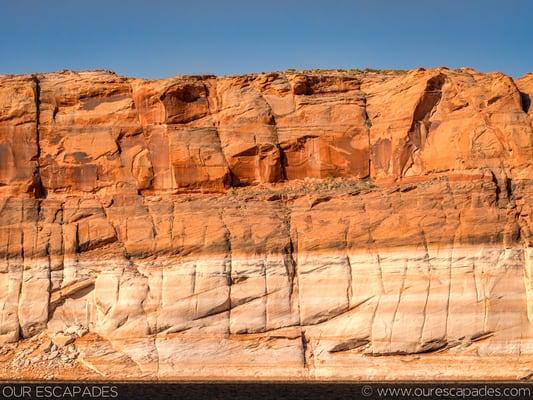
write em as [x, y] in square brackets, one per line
[319, 225]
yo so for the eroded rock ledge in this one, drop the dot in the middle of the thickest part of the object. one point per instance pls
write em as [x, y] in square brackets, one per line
[328, 225]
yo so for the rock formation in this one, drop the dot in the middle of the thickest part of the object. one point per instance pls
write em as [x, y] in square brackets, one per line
[320, 225]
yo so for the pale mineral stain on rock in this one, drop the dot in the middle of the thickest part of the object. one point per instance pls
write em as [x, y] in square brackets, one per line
[325, 225]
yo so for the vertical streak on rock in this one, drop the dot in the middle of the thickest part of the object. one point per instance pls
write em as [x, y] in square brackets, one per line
[368, 124]
[9, 324]
[528, 281]
[288, 257]
[265, 293]
[49, 273]
[486, 297]
[38, 189]
[35, 293]
[227, 265]
[22, 257]
[450, 264]
[291, 267]
[428, 288]
[395, 313]
[379, 272]
[373, 250]
[61, 273]
[451, 254]
[349, 267]
[193, 282]
[304, 342]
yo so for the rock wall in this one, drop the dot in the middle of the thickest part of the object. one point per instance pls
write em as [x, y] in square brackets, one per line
[328, 225]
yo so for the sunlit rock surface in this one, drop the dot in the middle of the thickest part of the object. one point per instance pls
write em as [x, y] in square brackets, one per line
[321, 225]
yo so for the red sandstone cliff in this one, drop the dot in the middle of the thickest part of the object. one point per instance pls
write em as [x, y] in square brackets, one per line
[283, 225]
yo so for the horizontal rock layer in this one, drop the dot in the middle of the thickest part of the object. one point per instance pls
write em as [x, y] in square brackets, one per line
[296, 226]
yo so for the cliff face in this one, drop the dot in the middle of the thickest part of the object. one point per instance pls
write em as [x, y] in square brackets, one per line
[283, 225]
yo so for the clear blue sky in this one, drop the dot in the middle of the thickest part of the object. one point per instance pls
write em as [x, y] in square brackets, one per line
[158, 38]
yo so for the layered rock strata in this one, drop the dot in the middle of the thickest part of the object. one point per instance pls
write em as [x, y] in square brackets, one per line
[330, 225]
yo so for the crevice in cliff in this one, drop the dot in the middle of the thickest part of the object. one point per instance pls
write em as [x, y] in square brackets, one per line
[431, 346]
[509, 188]
[449, 291]
[428, 287]
[304, 344]
[350, 344]
[290, 263]
[228, 265]
[282, 162]
[158, 358]
[289, 250]
[38, 189]
[424, 109]
[350, 280]
[397, 306]
[525, 101]
[497, 189]
[328, 318]
[421, 125]
[22, 268]
[453, 243]
[349, 267]
[503, 189]
[368, 125]
[49, 268]
[265, 294]
[240, 302]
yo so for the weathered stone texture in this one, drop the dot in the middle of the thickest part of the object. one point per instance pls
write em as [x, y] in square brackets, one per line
[281, 225]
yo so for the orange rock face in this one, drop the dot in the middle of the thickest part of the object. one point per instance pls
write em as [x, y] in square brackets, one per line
[275, 226]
